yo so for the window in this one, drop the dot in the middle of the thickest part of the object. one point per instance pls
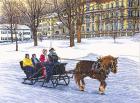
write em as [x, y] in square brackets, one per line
[129, 3]
[92, 27]
[83, 21]
[87, 18]
[92, 18]
[83, 28]
[134, 13]
[112, 5]
[4, 32]
[130, 25]
[87, 29]
[117, 3]
[107, 6]
[87, 24]
[26, 33]
[122, 3]
[93, 7]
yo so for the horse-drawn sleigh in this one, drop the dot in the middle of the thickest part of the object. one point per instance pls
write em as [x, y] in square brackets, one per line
[99, 70]
[59, 76]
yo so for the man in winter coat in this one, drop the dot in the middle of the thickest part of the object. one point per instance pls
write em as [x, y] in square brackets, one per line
[53, 59]
[52, 56]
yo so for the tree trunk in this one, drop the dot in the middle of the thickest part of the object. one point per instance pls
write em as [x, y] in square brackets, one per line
[16, 43]
[11, 29]
[78, 33]
[34, 31]
[71, 32]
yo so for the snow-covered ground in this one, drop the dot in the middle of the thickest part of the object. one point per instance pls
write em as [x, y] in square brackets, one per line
[122, 87]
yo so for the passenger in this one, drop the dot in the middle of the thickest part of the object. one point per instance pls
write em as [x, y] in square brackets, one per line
[28, 66]
[38, 65]
[35, 60]
[52, 56]
[53, 59]
[43, 57]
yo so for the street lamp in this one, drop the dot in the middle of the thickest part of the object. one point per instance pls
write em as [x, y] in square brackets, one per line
[51, 32]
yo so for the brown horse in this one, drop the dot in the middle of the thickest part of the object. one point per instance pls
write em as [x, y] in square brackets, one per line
[99, 70]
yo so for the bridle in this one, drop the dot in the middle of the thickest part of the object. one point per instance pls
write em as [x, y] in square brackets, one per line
[113, 65]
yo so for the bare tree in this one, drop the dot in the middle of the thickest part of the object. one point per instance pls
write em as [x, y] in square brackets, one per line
[71, 14]
[32, 10]
[8, 14]
[11, 16]
[66, 11]
[79, 18]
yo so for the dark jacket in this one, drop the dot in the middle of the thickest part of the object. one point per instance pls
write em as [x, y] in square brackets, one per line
[53, 56]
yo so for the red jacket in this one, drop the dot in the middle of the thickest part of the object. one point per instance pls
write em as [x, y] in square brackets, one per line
[42, 58]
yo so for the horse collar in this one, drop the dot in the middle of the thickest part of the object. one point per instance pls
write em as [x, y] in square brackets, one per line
[96, 66]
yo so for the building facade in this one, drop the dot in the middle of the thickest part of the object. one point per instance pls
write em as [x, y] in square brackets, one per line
[50, 25]
[119, 17]
[23, 33]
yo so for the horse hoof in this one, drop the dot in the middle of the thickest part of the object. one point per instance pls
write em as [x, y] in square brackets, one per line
[101, 90]
[82, 90]
[101, 93]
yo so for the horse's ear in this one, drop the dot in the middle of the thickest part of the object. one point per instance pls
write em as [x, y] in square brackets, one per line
[99, 58]
[116, 59]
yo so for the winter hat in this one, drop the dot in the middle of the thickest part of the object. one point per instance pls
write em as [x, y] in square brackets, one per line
[26, 55]
[44, 50]
[33, 55]
[52, 49]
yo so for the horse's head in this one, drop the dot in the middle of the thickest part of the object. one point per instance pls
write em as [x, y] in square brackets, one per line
[109, 63]
[113, 65]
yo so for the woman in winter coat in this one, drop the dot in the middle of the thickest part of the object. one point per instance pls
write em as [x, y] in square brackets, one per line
[43, 57]
[28, 66]
[34, 59]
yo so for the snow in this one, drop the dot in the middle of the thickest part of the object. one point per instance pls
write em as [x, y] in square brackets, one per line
[123, 87]
[6, 26]
[136, 37]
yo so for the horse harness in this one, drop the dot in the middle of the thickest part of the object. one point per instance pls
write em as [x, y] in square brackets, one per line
[96, 66]
[99, 69]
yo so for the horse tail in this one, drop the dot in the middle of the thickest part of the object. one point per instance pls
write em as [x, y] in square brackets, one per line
[76, 74]
[76, 77]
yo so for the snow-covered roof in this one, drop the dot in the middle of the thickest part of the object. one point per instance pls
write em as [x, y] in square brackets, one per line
[6, 26]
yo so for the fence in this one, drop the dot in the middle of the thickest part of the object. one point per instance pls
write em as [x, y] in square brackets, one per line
[93, 35]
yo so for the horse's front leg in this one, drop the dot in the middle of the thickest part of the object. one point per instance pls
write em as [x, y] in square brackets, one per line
[102, 87]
